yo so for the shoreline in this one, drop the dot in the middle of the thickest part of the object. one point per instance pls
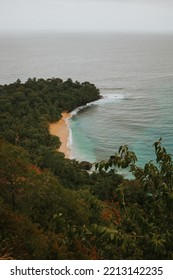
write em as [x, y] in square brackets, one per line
[61, 129]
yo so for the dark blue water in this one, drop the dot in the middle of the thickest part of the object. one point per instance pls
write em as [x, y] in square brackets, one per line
[133, 72]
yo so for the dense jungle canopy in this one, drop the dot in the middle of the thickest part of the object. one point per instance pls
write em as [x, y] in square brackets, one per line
[50, 208]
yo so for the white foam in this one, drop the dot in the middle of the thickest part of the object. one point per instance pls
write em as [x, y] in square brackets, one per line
[74, 112]
[109, 98]
[69, 140]
[106, 98]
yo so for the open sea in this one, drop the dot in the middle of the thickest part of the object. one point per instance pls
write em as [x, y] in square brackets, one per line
[134, 73]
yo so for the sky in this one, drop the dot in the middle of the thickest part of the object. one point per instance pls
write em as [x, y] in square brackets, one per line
[87, 15]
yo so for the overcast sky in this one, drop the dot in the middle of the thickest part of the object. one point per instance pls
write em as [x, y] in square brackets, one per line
[87, 15]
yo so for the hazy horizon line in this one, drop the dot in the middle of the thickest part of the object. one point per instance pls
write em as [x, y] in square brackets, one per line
[46, 31]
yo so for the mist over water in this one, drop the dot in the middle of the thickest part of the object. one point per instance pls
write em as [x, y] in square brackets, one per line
[133, 72]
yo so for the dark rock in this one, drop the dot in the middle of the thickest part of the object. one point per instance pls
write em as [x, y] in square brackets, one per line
[86, 165]
[112, 157]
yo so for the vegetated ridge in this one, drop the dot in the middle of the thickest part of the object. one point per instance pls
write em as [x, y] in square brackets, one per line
[51, 209]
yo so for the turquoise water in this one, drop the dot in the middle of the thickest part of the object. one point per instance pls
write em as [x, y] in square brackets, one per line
[137, 108]
[133, 72]
[123, 118]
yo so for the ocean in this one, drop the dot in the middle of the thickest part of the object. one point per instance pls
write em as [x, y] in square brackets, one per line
[134, 73]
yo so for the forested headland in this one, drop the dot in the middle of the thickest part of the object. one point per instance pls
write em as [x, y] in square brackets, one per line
[50, 208]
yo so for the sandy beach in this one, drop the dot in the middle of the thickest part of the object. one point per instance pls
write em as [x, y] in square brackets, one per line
[61, 130]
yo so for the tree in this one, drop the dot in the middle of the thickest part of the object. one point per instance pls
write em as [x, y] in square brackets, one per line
[146, 221]
[13, 169]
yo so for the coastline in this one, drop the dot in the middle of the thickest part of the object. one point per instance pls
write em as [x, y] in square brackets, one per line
[61, 129]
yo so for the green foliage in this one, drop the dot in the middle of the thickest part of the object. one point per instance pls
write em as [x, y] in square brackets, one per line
[122, 159]
[13, 170]
[104, 184]
[145, 204]
[27, 109]
[51, 209]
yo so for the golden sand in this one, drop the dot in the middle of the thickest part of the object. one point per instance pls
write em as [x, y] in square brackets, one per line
[61, 130]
